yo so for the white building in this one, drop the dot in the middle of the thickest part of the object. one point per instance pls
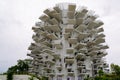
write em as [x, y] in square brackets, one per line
[69, 44]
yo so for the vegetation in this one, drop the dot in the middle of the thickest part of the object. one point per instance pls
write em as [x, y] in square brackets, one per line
[114, 75]
[20, 68]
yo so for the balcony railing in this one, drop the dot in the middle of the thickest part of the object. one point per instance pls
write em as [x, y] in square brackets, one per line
[70, 50]
[71, 21]
[58, 44]
[81, 28]
[44, 18]
[52, 36]
[69, 28]
[66, 35]
[72, 40]
[71, 7]
[70, 14]
[80, 45]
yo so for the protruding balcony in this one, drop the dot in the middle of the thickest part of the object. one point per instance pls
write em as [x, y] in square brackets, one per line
[92, 25]
[82, 35]
[71, 7]
[100, 30]
[81, 28]
[69, 60]
[60, 74]
[70, 14]
[99, 40]
[58, 16]
[53, 21]
[79, 21]
[104, 47]
[44, 18]
[99, 23]
[59, 67]
[72, 40]
[80, 66]
[50, 12]
[52, 36]
[51, 74]
[54, 28]
[43, 33]
[70, 50]
[105, 65]
[56, 56]
[48, 51]
[66, 35]
[57, 9]
[47, 43]
[58, 44]
[71, 73]
[80, 45]
[92, 53]
[72, 21]
[101, 35]
[80, 55]
[69, 28]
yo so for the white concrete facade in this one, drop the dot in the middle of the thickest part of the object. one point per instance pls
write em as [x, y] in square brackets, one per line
[69, 44]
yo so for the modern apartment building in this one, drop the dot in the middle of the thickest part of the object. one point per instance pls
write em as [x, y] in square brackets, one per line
[69, 43]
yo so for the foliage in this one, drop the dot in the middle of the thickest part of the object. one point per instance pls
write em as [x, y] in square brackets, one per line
[20, 68]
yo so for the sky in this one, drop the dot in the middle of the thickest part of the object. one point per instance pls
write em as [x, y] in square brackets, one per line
[18, 16]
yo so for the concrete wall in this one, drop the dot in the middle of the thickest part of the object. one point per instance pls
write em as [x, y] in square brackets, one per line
[16, 77]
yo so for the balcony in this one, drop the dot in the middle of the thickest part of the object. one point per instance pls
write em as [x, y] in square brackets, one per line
[60, 74]
[47, 43]
[100, 30]
[71, 73]
[43, 33]
[105, 65]
[99, 40]
[66, 35]
[80, 67]
[80, 45]
[72, 40]
[69, 60]
[92, 24]
[57, 9]
[79, 21]
[69, 28]
[92, 53]
[79, 55]
[48, 51]
[59, 67]
[44, 18]
[81, 28]
[82, 35]
[53, 21]
[71, 21]
[58, 16]
[103, 54]
[101, 35]
[51, 74]
[71, 7]
[56, 56]
[70, 14]
[54, 28]
[99, 23]
[50, 62]
[52, 36]
[70, 50]
[58, 44]
[50, 12]
[104, 47]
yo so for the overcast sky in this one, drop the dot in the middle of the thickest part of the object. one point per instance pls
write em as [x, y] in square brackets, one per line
[18, 16]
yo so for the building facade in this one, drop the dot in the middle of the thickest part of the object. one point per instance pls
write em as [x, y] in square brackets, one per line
[69, 44]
